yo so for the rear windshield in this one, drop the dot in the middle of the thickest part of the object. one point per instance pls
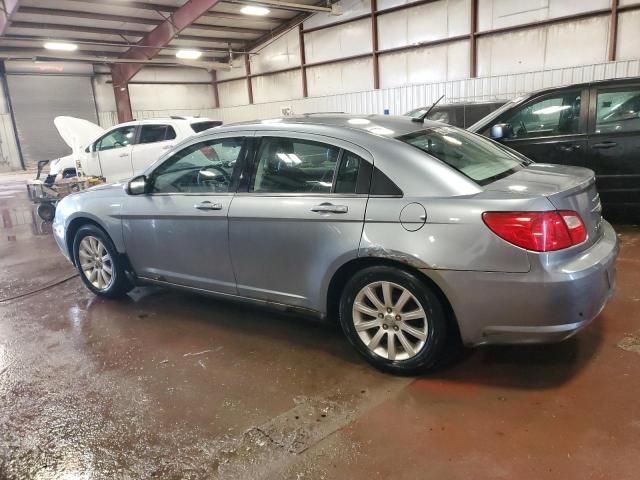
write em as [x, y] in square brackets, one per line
[476, 157]
[204, 125]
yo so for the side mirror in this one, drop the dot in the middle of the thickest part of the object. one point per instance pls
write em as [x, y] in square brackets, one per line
[137, 185]
[500, 131]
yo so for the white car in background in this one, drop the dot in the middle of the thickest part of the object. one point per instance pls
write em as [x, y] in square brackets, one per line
[122, 151]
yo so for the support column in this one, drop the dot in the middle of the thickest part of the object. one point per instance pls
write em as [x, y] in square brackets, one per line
[473, 41]
[303, 61]
[247, 64]
[613, 31]
[216, 93]
[374, 43]
[123, 102]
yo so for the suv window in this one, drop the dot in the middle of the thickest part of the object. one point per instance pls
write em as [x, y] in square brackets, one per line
[295, 166]
[156, 133]
[118, 138]
[618, 111]
[204, 125]
[557, 114]
[204, 167]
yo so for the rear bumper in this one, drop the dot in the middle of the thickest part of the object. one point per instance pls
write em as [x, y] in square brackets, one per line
[548, 304]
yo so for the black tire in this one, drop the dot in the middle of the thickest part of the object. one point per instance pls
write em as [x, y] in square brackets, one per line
[426, 357]
[46, 212]
[119, 284]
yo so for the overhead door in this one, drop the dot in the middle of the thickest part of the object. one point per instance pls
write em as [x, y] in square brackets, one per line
[37, 100]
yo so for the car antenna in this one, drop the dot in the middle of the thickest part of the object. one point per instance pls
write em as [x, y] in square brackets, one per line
[422, 117]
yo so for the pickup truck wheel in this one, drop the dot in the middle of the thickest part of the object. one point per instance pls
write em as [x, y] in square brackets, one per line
[100, 266]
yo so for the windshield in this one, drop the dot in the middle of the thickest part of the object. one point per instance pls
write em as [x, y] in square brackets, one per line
[478, 158]
[486, 121]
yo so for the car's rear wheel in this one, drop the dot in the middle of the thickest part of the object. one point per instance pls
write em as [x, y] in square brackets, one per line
[393, 319]
[100, 266]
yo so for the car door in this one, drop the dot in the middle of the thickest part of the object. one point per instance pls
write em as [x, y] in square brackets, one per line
[153, 141]
[614, 144]
[177, 232]
[113, 153]
[300, 216]
[550, 128]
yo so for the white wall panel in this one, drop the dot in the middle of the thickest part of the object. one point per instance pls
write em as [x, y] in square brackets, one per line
[493, 14]
[238, 70]
[350, 9]
[425, 65]
[563, 45]
[425, 23]
[105, 97]
[337, 42]
[283, 52]
[279, 86]
[171, 97]
[628, 46]
[341, 77]
[9, 157]
[233, 93]
[624, 3]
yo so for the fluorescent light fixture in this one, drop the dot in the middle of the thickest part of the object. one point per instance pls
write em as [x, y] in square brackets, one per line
[254, 10]
[66, 47]
[189, 54]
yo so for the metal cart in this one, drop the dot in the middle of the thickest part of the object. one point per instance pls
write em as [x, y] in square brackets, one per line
[47, 197]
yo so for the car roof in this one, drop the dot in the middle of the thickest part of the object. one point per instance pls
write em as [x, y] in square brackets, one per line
[386, 126]
[161, 120]
[595, 83]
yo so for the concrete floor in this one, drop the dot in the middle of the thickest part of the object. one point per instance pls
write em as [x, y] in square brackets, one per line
[169, 385]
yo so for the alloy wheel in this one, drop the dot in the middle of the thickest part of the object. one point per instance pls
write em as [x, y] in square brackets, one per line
[95, 262]
[390, 320]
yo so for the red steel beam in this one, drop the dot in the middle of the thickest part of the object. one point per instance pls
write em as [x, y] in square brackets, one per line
[374, 43]
[613, 30]
[10, 8]
[152, 43]
[473, 41]
[158, 38]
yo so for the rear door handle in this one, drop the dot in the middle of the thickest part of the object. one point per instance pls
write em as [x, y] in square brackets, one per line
[330, 208]
[208, 206]
[604, 145]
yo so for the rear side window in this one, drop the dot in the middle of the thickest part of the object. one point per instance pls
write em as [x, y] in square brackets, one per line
[618, 111]
[295, 166]
[156, 133]
[204, 125]
[482, 160]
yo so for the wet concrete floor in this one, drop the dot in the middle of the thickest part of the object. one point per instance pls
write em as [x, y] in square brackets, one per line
[171, 385]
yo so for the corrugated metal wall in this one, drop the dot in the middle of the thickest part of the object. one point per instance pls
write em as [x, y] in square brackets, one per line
[401, 99]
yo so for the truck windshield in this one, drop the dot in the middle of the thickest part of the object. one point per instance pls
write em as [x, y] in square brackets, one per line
[480, 159]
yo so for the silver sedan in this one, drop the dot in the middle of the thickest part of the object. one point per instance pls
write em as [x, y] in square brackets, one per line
[412, 234]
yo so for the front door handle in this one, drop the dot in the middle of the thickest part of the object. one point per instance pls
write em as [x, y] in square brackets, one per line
[208, 206]
[330, 208]
[124, 155]
[569, 148]
[604, 145]
[167, 147]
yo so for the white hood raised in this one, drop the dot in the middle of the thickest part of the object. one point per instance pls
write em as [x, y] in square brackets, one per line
[76, 132]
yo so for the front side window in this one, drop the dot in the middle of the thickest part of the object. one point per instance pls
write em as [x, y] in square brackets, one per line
[482, 160]
[554, 115]
[204, 167]
[618, 111]
[156, 133]
[295, 166]
[118, 138]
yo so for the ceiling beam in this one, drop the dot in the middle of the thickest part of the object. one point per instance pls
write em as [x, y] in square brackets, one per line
[159, 38]
[10, 8]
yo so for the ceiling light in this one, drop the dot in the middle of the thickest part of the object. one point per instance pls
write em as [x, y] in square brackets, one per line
[253, 10]
[67, 47]
[189, 54]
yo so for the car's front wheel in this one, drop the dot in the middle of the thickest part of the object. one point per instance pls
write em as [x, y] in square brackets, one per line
[100, 266]
[393, 319]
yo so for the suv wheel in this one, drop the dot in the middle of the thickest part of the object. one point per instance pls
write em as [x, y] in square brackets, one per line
[393, 319]
[100, 266]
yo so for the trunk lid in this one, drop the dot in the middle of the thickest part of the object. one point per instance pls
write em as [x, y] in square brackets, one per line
[567, 188]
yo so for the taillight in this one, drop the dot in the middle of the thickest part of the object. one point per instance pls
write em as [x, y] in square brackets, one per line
[538, 231]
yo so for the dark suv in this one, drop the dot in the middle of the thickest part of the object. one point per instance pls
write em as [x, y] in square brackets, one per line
[460, 115]
[594, 125]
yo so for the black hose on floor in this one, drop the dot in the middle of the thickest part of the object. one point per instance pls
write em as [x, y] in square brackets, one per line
[38, 290]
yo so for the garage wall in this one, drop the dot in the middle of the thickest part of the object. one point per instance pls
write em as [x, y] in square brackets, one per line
[379, 44]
